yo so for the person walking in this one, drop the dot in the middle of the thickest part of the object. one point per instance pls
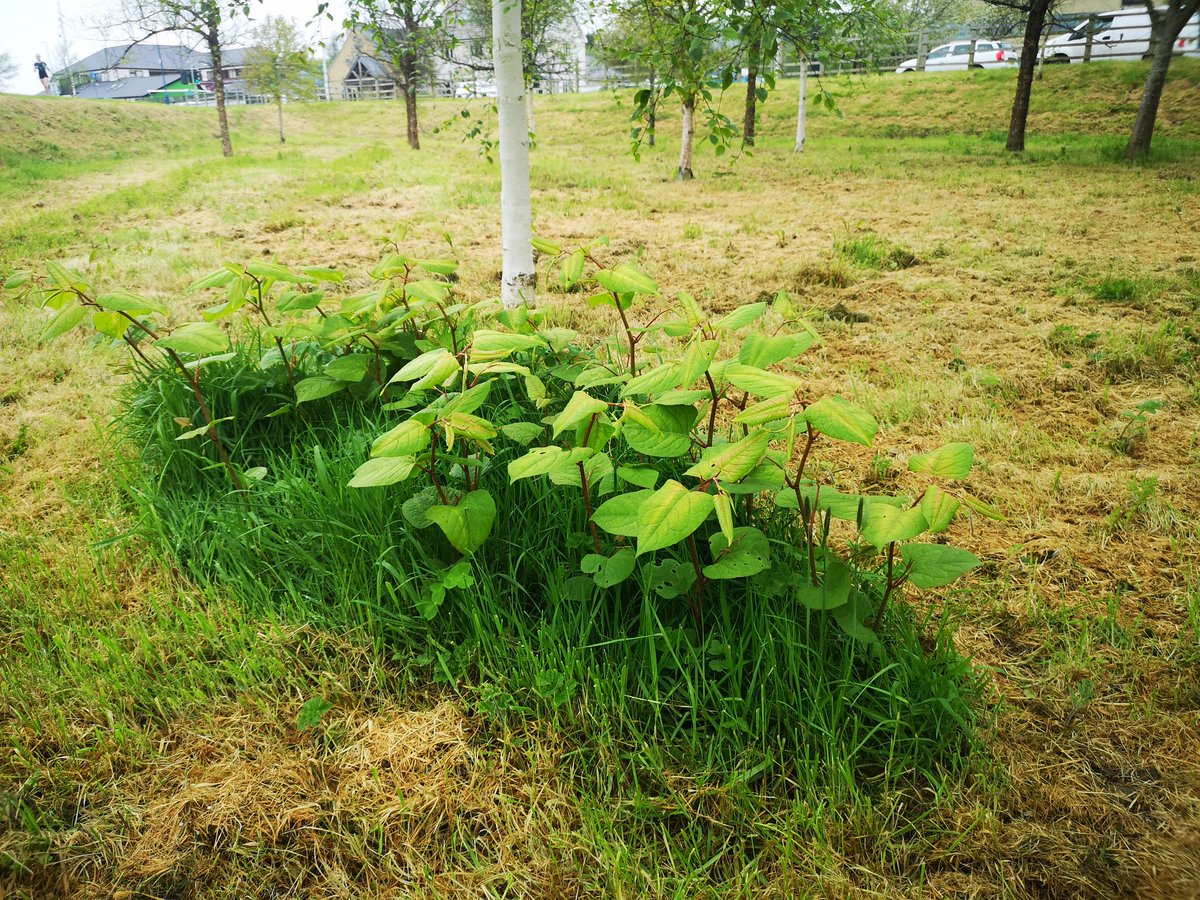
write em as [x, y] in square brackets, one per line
[43, 72]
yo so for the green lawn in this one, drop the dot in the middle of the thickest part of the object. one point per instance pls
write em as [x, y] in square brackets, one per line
[1024, 304]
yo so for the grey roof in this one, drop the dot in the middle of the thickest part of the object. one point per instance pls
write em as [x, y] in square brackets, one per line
[124, 88]
[155, 57]
[231, 57]
[372, 67]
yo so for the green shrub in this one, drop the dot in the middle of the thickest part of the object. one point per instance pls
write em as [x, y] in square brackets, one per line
[630, 523]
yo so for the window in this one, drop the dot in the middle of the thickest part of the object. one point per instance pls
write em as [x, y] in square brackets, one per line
[939, 53]
[961, 50]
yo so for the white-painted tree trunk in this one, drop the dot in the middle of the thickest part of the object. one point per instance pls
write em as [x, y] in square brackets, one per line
[802, 112]
[529, 110]
[519, 278]
[686, 136]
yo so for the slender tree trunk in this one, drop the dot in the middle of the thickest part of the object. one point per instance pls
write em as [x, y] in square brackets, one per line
[1162, 42]
[1029, 58]
[529, 109]
[802, 110]
[652, 114]
[408, 74]
[279, 106]
[214, 49]
[687, 133]
[751, 92]
[519, 278]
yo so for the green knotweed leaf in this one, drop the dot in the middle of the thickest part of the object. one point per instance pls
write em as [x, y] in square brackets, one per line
[834, 589]
[890, 524]
[936, 565]
[765, 350]
[197, 338]
[619, 514]
[642, 476]
[406, 439]
[747, 554]
[523, 433]
[673, 434]
[318, 386]
[755, 381]
[352, 367]
[382, 471]
[468, 524]
[950, 461]
[669, 515]
[731, 462]
[609, 571]
[123, 301]
[842, 420]
[741, 317]
[939, 508]
[770, 410]
[626, 279]
[580, 407]
[654, 381]
[64, 320]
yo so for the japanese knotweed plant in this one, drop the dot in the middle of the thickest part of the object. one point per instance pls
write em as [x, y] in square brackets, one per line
[689, 444]
[686, 440]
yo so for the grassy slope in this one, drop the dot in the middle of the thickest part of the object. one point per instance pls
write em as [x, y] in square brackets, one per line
[150, 732]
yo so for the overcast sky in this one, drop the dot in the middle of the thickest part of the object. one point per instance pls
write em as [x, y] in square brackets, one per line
[29, 27]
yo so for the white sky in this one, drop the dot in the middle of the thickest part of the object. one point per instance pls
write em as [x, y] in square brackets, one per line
[28, 27]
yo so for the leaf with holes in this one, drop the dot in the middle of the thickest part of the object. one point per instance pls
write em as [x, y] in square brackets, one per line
[609, 571]
[747, 554]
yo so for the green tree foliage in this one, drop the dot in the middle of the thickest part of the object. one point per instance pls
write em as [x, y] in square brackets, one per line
[279, 65]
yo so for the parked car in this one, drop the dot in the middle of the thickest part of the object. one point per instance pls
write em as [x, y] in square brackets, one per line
[1120, 34]
[948, 57]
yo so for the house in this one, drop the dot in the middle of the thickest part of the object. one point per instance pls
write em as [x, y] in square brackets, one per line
[157, 71]
[460, 65]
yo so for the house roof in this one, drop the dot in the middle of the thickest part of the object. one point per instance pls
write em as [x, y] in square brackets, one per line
[124, 88]
[141, 56]
[373, 67]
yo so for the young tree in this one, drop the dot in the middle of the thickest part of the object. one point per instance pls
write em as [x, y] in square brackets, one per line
[685, 46]
[1165, 25]
[1037, 14]
[208, 20]
[406, 31]
[519, 278]
[279, 64]
[8, 69]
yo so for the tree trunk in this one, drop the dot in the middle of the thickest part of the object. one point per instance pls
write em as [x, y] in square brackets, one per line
[529, 109]
[214, 49]
[687, 133]
[519, 278]
[1029, 59]
[1162, 41]
[751, 93]
[408, 88]
[802, 111]
[279, 106]
[652, 115]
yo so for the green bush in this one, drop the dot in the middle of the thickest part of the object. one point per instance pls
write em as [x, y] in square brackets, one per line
[627, 525]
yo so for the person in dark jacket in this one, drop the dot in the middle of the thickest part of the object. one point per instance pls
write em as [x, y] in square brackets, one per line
[43, 73]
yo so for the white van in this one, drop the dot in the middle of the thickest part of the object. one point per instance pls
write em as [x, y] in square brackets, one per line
[1120, 34]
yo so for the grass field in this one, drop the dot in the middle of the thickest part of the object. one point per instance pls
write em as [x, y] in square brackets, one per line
[1025, 304]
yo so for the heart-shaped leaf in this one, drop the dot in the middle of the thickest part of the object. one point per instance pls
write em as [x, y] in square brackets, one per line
[468, 524]
[950, 461]
[936, 565]
[842, 420]
[670, 515]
